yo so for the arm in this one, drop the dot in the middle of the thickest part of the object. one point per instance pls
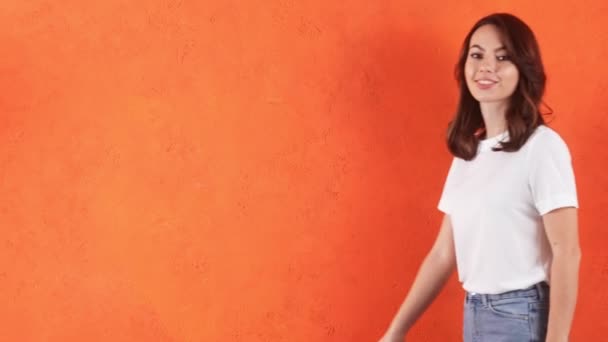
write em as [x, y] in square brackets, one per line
[561, 227]
[434, 272]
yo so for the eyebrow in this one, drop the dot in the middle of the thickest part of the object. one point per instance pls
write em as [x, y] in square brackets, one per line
[482, 49]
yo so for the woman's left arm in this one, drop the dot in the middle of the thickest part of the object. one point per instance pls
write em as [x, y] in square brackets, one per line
[561, 227]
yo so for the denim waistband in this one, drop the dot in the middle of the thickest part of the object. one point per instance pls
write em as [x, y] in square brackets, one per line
[540, 291]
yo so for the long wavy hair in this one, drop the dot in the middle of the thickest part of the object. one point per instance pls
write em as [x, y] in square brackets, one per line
[523, 113]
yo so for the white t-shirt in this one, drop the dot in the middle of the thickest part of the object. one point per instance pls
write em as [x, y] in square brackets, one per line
[496, 202]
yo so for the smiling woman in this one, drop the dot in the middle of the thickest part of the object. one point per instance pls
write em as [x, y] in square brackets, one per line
[510, 199]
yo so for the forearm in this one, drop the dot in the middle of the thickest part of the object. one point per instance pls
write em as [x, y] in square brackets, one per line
[431, 277]
[564, 289]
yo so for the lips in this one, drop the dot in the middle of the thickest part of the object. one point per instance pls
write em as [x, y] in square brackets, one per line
[485, 83]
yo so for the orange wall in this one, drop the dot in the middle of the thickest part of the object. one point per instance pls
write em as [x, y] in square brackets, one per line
[242, 171]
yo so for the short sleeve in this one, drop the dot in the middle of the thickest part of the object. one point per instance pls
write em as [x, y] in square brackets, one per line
[551, 174]
[445, 201]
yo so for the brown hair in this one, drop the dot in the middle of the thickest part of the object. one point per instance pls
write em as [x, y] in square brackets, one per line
[523, 113]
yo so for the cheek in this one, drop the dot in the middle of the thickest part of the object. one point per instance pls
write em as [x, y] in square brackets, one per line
[469, 74]
[469, 70]
[511, 75]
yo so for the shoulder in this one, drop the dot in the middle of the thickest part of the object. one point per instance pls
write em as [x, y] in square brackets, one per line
[545, 140]
[545, 134]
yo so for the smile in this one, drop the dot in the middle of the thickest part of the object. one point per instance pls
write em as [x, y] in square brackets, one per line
[485, 84]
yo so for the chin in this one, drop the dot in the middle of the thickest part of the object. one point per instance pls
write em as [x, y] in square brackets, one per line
[487, 99]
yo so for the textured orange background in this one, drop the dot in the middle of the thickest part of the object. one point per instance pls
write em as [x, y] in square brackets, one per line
[255, 171]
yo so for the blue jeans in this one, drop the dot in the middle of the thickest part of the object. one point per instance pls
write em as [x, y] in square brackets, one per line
[515, 316]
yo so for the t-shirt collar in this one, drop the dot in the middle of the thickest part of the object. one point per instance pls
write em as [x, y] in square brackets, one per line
[487, 144]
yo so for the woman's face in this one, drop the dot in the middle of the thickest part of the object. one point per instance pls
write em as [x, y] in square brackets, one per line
[489, 73]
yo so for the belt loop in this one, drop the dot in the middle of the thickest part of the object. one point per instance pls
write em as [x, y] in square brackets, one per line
[540, 291]
[484, 299]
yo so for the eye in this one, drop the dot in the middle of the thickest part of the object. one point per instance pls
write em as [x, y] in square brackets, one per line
[475, 55]
[503, 58]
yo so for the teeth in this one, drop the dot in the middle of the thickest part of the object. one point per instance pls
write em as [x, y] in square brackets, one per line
[485, 82]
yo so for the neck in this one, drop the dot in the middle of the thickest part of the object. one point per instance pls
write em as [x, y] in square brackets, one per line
[494, 117]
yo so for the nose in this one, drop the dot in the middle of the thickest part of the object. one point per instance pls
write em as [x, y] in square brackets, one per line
[487, 66]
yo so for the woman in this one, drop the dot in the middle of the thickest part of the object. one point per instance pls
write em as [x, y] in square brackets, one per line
[510, 202]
